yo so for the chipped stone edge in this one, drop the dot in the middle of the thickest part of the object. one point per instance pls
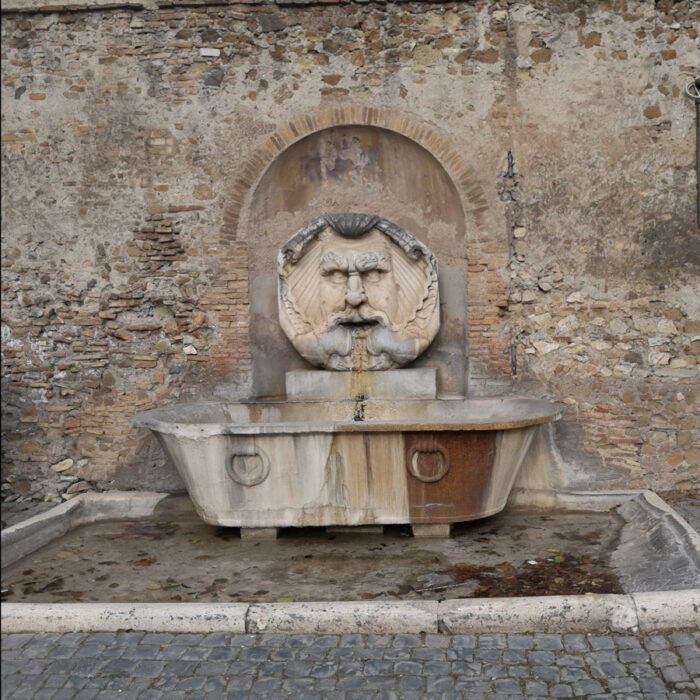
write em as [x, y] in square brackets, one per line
[596, 613]
[645, 612]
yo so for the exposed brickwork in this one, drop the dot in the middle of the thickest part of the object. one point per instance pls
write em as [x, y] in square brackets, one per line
[133, 139]
[628, 374]
[80, 365]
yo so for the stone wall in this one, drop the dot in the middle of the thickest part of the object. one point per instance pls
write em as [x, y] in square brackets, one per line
[136, 135]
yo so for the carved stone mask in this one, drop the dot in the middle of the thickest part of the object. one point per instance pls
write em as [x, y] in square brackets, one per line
[357, 292]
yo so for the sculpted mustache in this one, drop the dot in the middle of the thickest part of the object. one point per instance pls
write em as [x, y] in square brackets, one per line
[366, 313]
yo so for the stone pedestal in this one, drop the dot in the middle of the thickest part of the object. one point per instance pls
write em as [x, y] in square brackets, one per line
[396, 384]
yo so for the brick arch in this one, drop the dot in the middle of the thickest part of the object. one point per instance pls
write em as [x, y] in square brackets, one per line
[488, 337]
[464, 178]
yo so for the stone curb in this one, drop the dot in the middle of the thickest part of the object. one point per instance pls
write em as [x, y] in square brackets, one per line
[112, 617]
[645, 612]
[580, 613]
[666, 609]
[388, 617]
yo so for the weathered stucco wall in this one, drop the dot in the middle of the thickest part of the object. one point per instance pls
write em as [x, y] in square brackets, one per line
[135, 139]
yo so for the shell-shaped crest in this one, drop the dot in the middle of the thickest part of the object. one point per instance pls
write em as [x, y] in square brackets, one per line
[352, 225]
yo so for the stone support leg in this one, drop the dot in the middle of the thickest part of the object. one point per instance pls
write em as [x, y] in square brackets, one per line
[431, 529]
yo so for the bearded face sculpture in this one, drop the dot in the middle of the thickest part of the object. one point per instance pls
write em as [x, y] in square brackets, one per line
[357, 292]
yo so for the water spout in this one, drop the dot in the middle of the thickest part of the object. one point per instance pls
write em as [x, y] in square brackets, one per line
[360, 406]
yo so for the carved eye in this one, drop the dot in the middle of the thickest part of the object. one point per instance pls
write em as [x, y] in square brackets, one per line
[337, 276]
[373, 275]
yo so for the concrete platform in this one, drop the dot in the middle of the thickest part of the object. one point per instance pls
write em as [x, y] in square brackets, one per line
[428, 605]
[174, 557]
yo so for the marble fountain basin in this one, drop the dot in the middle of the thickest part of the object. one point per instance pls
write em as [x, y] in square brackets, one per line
[352, 462]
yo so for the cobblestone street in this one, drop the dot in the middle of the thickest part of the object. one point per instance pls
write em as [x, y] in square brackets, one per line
[150, 665]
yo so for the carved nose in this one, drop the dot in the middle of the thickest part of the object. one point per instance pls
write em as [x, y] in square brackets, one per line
[355, 294]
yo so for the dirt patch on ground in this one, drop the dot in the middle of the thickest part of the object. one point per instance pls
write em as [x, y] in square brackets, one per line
[561, 574]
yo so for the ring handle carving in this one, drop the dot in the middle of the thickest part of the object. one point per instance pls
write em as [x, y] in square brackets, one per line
[435, 452]
[248, 468]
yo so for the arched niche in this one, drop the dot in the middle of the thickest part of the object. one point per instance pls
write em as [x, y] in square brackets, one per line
[355, 168]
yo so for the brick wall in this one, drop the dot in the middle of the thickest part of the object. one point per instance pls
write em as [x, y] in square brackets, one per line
[133, 138]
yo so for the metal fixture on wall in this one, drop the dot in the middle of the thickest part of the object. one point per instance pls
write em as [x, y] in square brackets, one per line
[692, 90]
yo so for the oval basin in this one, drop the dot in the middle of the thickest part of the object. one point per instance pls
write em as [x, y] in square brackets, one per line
[280, 464]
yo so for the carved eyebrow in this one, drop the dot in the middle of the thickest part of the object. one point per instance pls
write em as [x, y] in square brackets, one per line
[331, 262]
[374, 260]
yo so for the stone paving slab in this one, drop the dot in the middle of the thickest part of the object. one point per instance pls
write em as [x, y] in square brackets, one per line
[162, 665]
